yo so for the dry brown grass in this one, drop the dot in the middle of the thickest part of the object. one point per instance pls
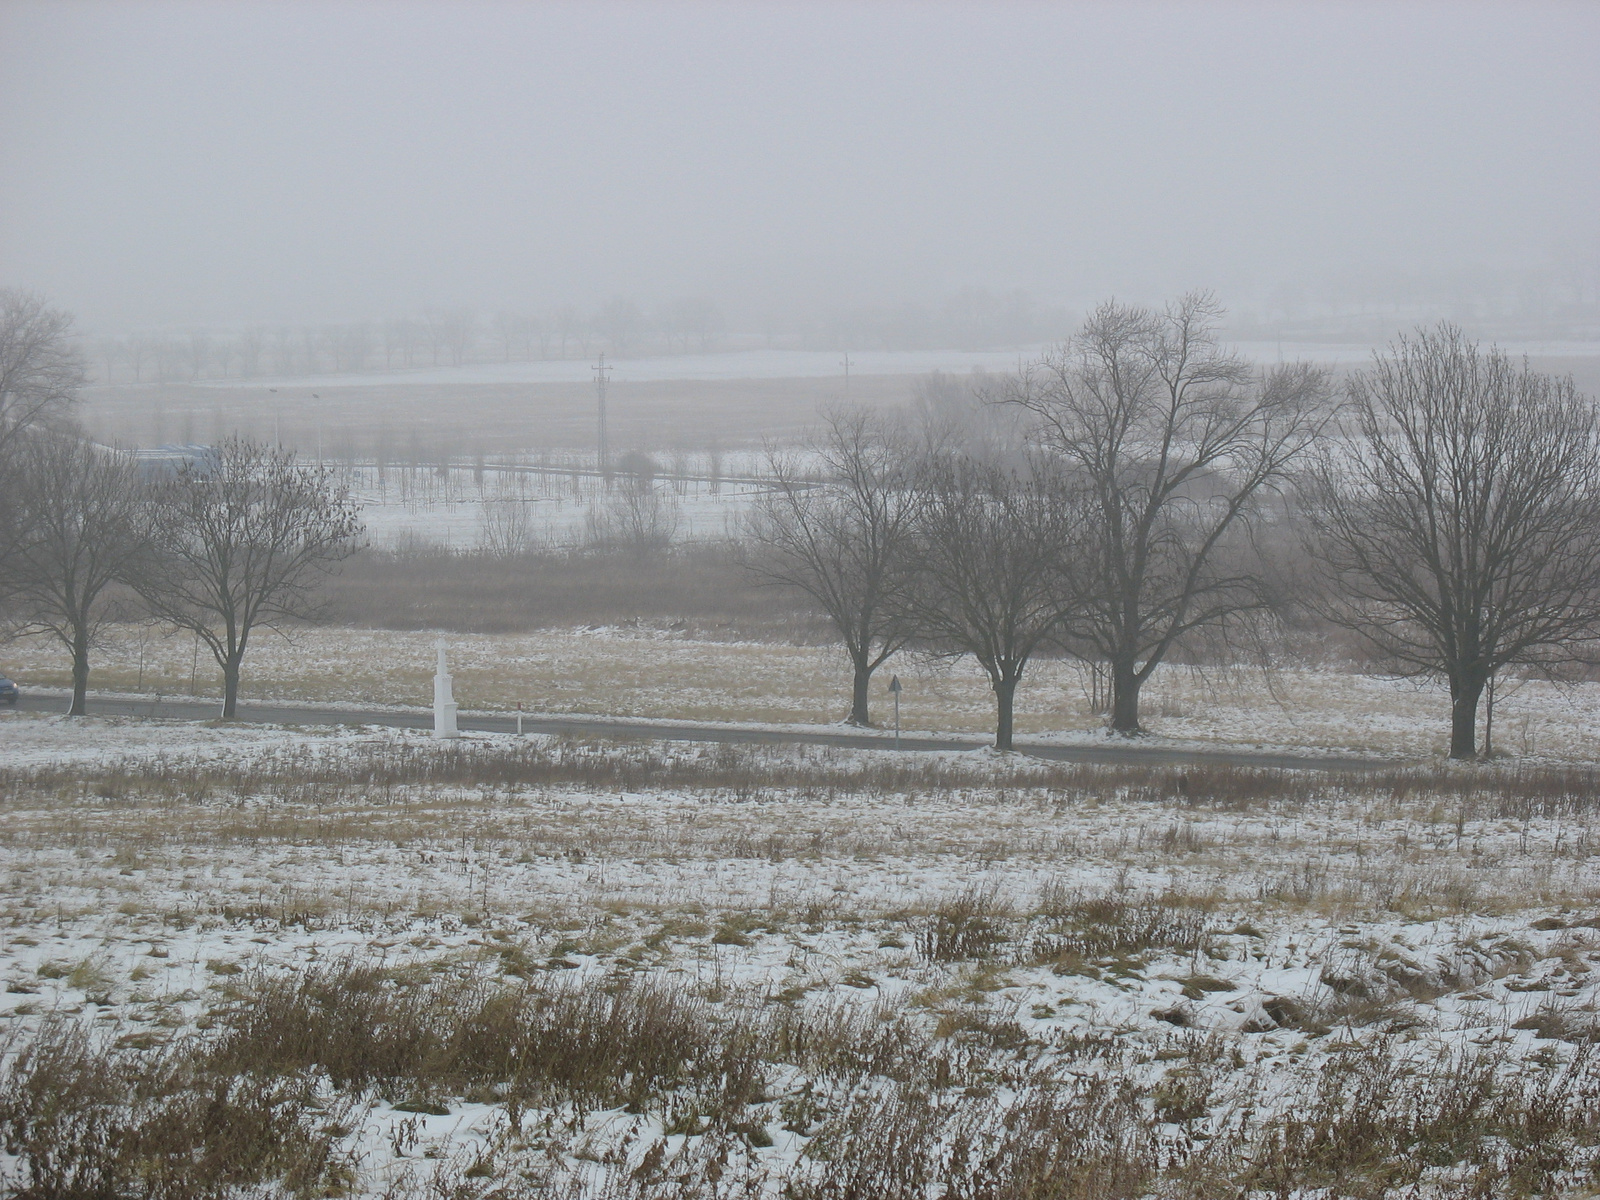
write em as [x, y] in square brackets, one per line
[699, 587]
[372, 771]
[91, 1121]
[539, 1043]
[888, 1110]
[1079, 927]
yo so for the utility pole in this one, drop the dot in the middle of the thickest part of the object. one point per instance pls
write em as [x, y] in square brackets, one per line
[600, 373]
[847, 375]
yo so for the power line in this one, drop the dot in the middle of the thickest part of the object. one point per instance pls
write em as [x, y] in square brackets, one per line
[600, 372]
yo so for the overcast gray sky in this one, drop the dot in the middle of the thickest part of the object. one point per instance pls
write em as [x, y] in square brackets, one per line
[171, 164]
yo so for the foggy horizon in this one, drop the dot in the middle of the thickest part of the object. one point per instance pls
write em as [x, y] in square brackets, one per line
[171, 165]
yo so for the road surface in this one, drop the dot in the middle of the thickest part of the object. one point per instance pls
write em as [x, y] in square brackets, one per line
[1118, 754]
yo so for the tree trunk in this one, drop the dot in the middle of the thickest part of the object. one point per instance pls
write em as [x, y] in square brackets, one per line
[858, 693]
[1464, 694]
[1005, 691]
[230, 689]
[80, 677]
[1488, 717]
[1125, 684]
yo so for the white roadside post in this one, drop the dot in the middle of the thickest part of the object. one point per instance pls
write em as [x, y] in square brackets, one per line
[444, 704]
[519, 718]
[894, 689]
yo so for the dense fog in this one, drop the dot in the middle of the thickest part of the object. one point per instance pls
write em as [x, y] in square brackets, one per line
[824, 601]
[171, 166]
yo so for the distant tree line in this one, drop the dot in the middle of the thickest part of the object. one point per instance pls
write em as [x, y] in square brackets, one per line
[972, 318]
[225, 544]
[1557, 299]
[1136, 490]
[442, 338]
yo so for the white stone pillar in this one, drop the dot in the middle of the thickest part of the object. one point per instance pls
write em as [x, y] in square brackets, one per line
[444, 704]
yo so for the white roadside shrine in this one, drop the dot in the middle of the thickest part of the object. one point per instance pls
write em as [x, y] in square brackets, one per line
[444, 704]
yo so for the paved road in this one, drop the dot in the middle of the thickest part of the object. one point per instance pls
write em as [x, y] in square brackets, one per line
[310, 714]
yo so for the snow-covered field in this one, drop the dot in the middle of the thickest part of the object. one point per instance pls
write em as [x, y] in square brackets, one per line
[733, 364]
[1177, 967]
[664, 673]
[466, 511]
[808, 364]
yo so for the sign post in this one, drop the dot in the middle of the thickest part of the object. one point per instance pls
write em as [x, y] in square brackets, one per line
[894, 690]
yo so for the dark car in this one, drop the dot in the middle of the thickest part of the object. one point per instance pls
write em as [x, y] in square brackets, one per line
[8, 692]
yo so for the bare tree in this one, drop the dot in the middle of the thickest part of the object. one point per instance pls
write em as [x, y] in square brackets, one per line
[197, 352]
[638, 517]
[996, 548]
[460, 331]
[671, 321]
[110, 351]
[621, 322]
[703, 319]
[356, 343]
[395, 336]
[141, 349]
[169, 359]
[1177, 440]
[514, 334]
[241, 541]
[312, 341]
[434, 335]
[83, 528]
[569, 325]
[331, 339]
[41, 369]
[690, 317]
[532, 338]
[250, 345]
[842, 535]
[283, 351]
[1461, 521]
[505, 526]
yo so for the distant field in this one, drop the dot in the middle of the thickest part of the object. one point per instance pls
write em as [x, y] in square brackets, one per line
[420, 422]
[494, 409]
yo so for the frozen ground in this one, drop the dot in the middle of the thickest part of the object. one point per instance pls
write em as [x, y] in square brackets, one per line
[664, 673]
[463, 509]
[1216, 946]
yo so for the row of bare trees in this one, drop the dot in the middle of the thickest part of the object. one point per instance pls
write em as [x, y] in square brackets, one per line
[223, 545]
[1135, 491]
[1132, 492]
[452, 337]
[226, 546]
